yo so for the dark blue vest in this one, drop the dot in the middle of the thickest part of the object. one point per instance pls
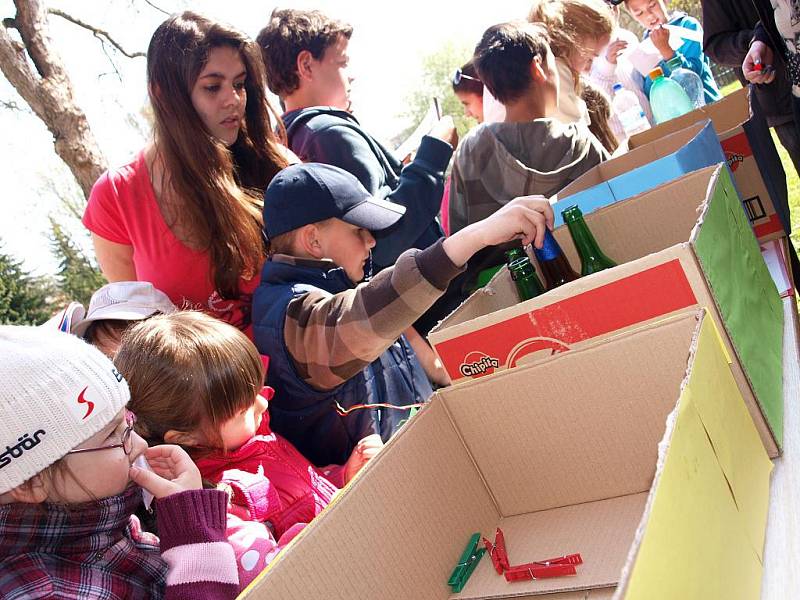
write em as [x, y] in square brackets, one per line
[307, 417]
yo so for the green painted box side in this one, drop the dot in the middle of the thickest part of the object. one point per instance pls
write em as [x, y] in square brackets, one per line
[745, 295]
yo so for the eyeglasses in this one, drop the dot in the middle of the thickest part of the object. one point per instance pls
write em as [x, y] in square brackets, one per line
[126, 444]
[459, 75]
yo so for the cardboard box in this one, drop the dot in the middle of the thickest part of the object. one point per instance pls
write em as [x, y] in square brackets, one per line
[687, 243]
[751, 155]
[642, 169]
[567, 455]
[776, 257]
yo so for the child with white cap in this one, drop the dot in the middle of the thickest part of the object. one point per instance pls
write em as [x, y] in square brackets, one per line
[111, 311]
[68, 487]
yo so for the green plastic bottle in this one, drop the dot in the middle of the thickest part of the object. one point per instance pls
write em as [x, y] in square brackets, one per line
[689, 81]
[592, 258]
[667, 98]
[526, 279]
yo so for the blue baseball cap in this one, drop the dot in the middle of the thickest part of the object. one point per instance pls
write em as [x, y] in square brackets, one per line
[312, 192]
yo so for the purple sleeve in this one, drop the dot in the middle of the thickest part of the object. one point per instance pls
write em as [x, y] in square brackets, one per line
[201, 562]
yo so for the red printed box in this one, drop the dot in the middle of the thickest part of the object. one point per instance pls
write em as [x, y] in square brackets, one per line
[684, 244]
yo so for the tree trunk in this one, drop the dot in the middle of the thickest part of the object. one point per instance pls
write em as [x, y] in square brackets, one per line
[48, 91]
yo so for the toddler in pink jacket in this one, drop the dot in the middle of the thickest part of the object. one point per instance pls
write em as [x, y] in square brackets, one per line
[198, 382]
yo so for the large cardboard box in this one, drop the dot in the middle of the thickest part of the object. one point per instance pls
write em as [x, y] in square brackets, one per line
[566, 455]
[642, 169]
[687, 243]
[751, 155]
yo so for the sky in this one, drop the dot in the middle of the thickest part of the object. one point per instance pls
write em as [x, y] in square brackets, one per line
[388, 45]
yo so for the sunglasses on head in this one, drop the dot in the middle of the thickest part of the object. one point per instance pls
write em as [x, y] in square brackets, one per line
[459, 75]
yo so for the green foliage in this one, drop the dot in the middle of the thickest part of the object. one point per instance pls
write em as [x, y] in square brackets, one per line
[77, 277]
[24, 298]
[436, 81]
[690, 7]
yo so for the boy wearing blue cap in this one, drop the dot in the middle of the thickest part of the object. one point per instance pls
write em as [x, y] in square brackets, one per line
[336, 345]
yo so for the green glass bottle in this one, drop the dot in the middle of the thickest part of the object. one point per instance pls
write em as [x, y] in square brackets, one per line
[554, 264]
[526, 279]
[592, 258]
[512, 255]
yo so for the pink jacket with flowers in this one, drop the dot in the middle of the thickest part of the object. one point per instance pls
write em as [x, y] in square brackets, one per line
[274, 489]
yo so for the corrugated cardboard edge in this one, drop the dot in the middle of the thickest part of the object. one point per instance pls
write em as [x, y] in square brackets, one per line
[702, 208]
[663, 450]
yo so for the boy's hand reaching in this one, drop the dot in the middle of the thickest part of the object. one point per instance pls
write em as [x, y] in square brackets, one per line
[660, 38]
[173, 472]
[523, 218]
[364, 451]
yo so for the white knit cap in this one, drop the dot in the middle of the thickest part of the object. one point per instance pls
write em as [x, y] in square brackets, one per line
[124, 301]
[56, 391]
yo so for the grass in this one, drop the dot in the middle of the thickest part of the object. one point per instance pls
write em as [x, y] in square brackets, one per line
[792, 179]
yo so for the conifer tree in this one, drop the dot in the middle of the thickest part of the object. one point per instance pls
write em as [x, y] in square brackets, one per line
[24, 298]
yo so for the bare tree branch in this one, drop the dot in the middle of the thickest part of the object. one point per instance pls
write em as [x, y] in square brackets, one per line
[48, 91]
[98, 33]
[159, 9]
[31, 23]
[11, 105]
[110, 60]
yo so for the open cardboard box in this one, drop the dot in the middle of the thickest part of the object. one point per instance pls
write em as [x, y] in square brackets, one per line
[686, 243]
[751, 155]
[566, 455]
[642, 169]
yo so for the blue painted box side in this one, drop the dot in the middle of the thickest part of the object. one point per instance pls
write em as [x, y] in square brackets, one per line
[701, 151]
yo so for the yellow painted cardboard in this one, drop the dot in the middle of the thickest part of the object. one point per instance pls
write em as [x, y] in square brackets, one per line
[710, 482]
[733, 436]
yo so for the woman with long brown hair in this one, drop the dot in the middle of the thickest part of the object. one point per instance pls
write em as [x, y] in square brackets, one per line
[185, 214]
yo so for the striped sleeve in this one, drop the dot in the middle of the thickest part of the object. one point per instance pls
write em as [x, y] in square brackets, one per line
[194, 545]
[332, 337]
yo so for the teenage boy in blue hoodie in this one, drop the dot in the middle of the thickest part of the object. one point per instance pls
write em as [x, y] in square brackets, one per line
[306, 57]
[336, 347]
[652, 15]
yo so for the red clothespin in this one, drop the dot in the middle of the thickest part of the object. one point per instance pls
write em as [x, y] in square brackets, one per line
[536, 570]
[497, 551]
[569, 559]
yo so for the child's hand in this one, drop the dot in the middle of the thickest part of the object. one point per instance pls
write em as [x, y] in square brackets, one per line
[445, 130]
[660, 37]
[614, 50]
[364, 451]
[759, 54]
[173, 472]
[523, 218]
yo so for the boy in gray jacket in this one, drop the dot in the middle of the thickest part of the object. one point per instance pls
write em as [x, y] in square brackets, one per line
[528, 153]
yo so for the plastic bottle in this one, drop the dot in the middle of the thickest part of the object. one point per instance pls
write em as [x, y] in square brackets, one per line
[628, 110]
[667, 98]
[688, 80]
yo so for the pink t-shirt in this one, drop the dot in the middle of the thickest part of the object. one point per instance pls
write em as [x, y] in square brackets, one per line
[123, 209]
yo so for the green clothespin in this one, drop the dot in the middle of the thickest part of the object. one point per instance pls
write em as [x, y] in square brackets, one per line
[466, 564]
